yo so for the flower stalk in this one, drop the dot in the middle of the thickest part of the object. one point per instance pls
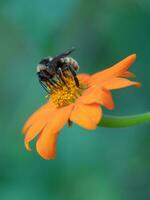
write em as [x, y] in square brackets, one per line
[124, 121]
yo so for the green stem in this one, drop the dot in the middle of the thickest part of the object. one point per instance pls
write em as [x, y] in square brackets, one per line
[120, 122]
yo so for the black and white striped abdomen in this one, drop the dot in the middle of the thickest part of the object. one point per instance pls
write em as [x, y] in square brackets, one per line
[71, 61]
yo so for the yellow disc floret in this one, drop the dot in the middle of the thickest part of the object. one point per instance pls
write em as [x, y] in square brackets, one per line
[65, 94]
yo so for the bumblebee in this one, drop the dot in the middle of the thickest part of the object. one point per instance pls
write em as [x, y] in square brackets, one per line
[52, 70]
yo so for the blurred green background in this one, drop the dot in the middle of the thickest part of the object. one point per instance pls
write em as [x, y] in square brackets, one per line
[106, 164]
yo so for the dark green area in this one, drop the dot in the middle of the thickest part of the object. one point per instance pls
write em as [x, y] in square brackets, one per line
[106, 164]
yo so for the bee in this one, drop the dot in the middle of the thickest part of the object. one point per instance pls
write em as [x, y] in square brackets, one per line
[51, 70]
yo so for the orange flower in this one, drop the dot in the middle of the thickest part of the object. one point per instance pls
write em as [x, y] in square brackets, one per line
[79, 105]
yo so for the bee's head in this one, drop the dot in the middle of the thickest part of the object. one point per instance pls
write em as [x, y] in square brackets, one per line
[44, 64]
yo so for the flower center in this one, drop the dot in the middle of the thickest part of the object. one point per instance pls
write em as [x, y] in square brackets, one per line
[66, 93]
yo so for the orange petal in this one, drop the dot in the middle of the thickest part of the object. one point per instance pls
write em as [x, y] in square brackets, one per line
[114, 71]
[47, 150]
[40, 113]
[86, 116]
[117, 83]
[36, 127]
[84, 78]
[46, 143]
[128, 74]
[32, 132]
[98, 95]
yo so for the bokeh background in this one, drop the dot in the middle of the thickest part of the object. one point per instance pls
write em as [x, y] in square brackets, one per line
[106, 164]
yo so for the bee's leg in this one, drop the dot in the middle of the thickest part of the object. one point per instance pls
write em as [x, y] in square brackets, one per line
[56, 83]
[73, 74]
[53, 83]
[61, 75]
[59, 80]
[44, 86]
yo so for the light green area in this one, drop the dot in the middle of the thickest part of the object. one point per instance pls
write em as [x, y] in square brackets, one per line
[124, 121]
[106, 164]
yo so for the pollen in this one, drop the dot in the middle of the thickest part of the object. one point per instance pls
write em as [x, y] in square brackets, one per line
[67, 93]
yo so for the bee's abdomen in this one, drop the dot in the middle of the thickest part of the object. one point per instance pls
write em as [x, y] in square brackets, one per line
[71, 61]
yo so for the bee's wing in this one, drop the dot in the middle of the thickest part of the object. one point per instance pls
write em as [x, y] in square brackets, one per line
[63, 55]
